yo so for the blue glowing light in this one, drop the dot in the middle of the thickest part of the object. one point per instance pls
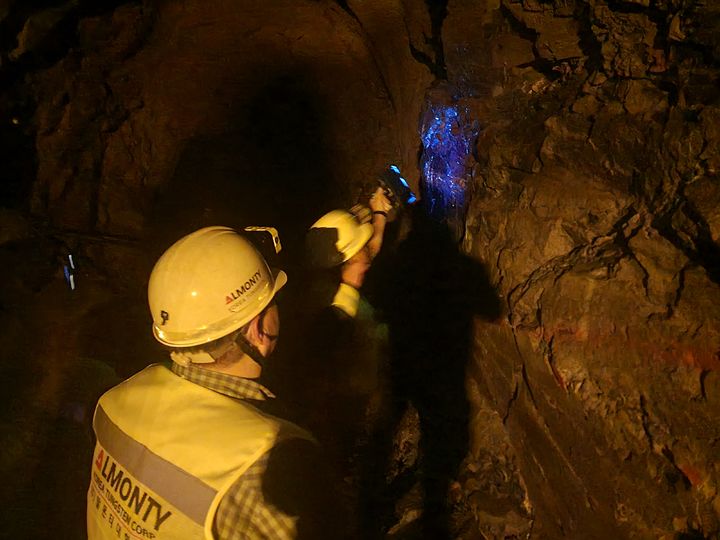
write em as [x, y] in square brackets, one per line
[69, 277]
[448, 136]
[394, 168]
[68, 272]
[404, 182]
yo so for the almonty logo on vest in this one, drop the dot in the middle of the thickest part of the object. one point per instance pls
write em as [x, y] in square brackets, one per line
[133, 495]
[249, 284]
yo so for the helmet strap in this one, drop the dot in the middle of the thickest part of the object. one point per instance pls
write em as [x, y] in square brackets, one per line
[250, 349]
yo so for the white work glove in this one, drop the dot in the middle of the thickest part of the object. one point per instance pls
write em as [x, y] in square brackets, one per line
[379, 202]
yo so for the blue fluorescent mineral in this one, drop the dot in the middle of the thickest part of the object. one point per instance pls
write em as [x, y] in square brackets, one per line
[448, 136]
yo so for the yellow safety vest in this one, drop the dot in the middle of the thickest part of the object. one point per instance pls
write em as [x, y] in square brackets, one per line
[167, 452]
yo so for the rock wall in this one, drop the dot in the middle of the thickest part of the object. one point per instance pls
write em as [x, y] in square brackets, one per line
[593, 200]
[595, 208]
[158, 117]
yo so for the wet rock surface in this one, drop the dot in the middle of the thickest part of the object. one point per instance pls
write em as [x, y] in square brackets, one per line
[594, 401]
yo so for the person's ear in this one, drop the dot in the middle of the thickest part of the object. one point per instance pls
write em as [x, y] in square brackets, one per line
[254, 333]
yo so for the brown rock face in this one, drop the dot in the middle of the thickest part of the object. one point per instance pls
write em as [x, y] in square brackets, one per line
[600, 372]
[591, 194]
[205, 72]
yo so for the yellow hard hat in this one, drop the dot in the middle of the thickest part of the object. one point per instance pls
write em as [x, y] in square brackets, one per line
[335, 238]
[207, 285]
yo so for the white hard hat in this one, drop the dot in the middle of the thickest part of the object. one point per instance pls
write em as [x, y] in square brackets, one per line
[207, 285]
[336, 237]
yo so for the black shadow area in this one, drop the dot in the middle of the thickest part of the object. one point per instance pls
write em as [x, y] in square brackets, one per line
[270, 169]
[429, 293]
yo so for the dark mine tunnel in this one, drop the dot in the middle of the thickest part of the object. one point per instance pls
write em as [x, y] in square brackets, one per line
[534, 353]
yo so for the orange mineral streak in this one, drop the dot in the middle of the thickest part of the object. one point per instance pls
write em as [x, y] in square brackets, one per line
[676, 353]
[669, 352]
[694, 474]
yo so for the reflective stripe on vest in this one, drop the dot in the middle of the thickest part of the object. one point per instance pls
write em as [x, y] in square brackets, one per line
[168, 451]
[185, 492]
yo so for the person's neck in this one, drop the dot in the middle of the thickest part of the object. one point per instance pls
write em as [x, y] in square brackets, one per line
[244, 367]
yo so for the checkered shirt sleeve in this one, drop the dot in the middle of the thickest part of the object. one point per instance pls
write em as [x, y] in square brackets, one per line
[243, 514]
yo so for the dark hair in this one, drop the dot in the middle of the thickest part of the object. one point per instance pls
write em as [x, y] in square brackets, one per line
[320, 248]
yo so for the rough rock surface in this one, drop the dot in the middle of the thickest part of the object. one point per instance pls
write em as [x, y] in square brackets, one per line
[593, 198]
[595, 234]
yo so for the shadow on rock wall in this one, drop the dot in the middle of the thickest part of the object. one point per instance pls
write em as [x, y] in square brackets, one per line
[271, 169]
[429, 293]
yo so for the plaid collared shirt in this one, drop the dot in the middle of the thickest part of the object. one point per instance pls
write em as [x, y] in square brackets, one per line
[243, 513]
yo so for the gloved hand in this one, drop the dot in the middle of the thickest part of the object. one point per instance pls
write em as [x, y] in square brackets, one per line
[379, 202]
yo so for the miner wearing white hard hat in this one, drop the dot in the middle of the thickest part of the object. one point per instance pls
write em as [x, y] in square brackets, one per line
[184, 451]
[344, 243]
[342, 337]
